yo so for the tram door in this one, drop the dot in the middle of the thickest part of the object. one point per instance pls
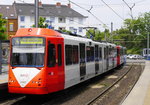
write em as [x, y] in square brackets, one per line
[82, 61]
[60, 63]
[96, 60]
[55, 64]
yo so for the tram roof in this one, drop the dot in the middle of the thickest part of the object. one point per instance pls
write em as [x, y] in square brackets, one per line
[37, 31]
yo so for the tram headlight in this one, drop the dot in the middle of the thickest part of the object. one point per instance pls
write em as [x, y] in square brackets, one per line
[37, 82]
[11, 81]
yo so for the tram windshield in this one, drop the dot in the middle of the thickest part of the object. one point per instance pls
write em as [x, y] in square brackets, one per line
[28, 52]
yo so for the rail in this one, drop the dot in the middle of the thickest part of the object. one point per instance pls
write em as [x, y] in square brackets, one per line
[110, 87]
[131, 87]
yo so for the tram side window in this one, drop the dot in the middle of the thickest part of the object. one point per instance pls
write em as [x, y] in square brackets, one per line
[105, 53]
[59, 55]
[88, 53]
[75, 55]
[118, 52]
[100, 53]
[92, 54]
[146, 51]
[82, 52]
[51, 55]
[109, 53]
[68, 52]
[96, 52]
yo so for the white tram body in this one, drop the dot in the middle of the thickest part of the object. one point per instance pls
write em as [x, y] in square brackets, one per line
[104, 59]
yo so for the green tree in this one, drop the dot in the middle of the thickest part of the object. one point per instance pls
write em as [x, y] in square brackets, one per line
[134, 33]
[98, 35]
[3, 36]
[42, 23]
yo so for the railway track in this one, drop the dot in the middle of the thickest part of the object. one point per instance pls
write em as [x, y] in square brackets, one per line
[108, 89]
[72, 96]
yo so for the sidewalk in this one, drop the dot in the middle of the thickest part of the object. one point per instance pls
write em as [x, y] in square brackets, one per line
[140, 95]
[4, 77]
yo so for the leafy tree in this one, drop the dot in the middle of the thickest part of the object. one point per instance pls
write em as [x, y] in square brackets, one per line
[3, 36]
[98, 35]
[42, 23]
[135, 33]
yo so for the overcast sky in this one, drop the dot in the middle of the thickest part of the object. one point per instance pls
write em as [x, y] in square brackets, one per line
[100, 10]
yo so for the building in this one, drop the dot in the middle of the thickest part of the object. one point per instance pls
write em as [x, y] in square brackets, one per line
[9, 13]
[59, 17]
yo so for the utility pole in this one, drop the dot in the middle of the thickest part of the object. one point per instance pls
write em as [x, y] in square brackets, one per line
[36, 13]
[112, 31]
[148, 58]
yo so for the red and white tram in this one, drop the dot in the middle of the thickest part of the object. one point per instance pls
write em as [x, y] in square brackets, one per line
[43, 61]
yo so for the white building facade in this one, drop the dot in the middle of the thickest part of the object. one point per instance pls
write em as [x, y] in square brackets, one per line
[58, 17]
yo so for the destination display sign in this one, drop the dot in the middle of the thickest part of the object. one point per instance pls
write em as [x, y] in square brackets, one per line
[27, 41]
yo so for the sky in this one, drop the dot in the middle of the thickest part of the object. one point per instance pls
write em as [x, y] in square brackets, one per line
[104, 11]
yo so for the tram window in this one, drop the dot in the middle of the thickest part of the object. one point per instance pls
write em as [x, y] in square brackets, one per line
[100, 53]
[121, 51]
[105, 53]
[59, 55]
[118, 52]
[92, 54]
[51, 55]
[75, 55]
[82, 52]
[88, 54]
[146, 51]
[68, 50]
[109, 53]
[96, 52]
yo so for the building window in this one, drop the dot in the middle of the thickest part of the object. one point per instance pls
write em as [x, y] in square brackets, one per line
[71, 20]
[22, 26]
[22, 18]
[52, 19]
[11, 26]
[80, 29]
[71, 29]
[61, 20]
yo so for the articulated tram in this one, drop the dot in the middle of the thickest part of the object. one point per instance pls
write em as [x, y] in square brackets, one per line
[43, 61]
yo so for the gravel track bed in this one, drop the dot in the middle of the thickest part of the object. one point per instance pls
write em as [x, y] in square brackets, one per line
[79, 94]
[117, 94]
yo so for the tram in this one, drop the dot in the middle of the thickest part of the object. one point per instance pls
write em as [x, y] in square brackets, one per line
[43, 61]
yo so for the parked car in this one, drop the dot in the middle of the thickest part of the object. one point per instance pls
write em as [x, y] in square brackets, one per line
[128, 56]
[135, 56]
